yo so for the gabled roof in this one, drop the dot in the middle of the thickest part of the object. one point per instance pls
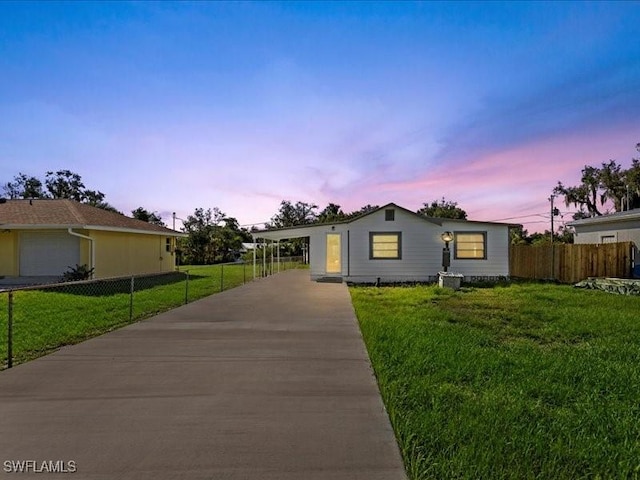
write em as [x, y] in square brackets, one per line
[280, 232]
[628, 216]
[64, 213]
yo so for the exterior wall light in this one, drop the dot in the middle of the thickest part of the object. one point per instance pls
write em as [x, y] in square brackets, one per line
[446, 253]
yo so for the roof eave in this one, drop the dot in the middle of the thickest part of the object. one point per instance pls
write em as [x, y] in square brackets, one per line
[167, 233]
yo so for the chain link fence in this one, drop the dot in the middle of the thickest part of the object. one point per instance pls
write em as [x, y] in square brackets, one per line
[40, 319]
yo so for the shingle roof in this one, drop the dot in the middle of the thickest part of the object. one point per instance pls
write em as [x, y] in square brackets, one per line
[63, 213]
[628, 216]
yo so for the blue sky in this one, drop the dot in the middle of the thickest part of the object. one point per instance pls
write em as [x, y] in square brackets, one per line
[174, 106]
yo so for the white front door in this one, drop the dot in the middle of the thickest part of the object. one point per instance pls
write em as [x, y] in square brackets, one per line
[334, 264]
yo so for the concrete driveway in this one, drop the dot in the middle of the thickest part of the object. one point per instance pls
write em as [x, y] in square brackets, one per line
[269, 381]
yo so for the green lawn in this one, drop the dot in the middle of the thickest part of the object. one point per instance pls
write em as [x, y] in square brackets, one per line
[516, 382]
[47, 319]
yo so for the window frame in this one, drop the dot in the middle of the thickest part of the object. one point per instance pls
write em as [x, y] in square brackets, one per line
[390, 215]
[371, 237]
[456, 241]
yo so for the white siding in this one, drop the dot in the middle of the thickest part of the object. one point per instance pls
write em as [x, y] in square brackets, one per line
[497, 262]
[421, 249]
[622, 231]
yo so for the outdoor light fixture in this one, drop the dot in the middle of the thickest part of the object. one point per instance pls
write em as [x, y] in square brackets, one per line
[446, 253]
[447, 237]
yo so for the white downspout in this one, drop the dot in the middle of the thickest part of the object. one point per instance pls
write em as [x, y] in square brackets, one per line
[92, 248]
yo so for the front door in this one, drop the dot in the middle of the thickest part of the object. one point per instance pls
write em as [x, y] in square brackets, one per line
[333, 253]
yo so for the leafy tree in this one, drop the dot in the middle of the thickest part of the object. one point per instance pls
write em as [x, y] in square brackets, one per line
[146, 216]
[584, 195]
[213, 237]
[59, 184]
[599, 186]
[198, 247]
[230, 238]
[520, 236]
[24, 186]
[67, 184]
[291, 215]
[363, 211]
[331, 213]
[442, 209]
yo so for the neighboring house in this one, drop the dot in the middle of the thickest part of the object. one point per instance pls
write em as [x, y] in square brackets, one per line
[394, 244]
[611, 228]
[43, 238]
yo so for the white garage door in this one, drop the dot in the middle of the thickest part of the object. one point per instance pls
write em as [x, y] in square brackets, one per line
[48, 253]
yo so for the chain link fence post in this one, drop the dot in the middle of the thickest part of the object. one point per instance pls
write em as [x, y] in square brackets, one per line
[244, 273]
[131, 289]
[186, 287]
[10, 330]
[222, 277]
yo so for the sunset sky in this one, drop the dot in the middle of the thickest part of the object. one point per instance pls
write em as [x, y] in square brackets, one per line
[174, 106]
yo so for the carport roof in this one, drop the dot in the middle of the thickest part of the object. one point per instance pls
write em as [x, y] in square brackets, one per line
[304, 230]
[65, 213]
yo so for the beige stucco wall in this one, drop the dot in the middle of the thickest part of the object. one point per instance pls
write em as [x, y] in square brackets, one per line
[119, 254]
[8, 253]
[116, 254]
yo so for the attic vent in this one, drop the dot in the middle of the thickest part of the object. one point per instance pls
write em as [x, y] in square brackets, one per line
[390, 215]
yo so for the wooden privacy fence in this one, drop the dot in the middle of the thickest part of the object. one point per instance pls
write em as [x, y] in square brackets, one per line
[571, 263]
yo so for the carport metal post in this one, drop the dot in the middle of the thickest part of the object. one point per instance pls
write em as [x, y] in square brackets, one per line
[255, 245]
[271, 264]
[10, 331]
[264, 260]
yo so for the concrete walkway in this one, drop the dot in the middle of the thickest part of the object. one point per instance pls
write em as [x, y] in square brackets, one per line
[269, 381]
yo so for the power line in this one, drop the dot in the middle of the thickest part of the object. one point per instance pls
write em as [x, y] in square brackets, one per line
[515, 218]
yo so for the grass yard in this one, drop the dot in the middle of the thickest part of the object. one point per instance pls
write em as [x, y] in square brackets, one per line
[46, 319]
[527, 381]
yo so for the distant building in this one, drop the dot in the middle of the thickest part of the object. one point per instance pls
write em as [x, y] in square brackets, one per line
[43, 238]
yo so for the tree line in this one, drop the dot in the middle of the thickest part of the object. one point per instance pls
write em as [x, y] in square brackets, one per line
[606, 186]
[215, 237]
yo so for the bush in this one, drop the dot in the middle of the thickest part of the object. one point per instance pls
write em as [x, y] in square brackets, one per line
[77, 273]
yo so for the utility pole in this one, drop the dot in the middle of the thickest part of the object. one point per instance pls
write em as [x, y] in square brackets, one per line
[552, 214]
[553, 251]
[627, 198]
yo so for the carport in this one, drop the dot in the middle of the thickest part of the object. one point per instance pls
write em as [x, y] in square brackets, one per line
[273, 238]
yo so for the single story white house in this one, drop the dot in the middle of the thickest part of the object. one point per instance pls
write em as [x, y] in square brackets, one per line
[393, 244]
[611, 228]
